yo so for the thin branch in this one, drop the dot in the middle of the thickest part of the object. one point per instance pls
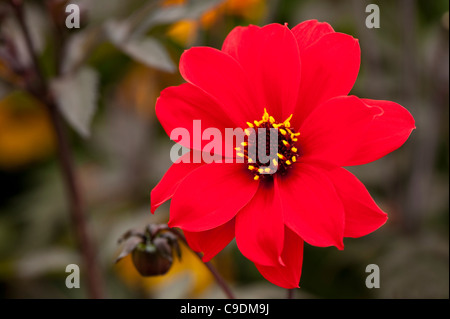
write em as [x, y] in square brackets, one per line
[219, 279]
[39, 88]
[290, 293]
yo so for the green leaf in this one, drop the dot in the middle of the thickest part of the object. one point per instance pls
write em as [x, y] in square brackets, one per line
[150, 52]
[76, 97]
[145, 50]
[78, 47]
[191, 10]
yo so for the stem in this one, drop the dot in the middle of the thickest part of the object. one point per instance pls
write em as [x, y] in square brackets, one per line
[41, 91]
[76, 206]
[219, 279]
[290, 293]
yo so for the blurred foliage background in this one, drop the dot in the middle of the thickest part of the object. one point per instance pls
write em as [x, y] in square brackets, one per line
[106, 77]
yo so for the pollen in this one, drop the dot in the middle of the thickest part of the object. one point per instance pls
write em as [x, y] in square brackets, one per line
[282, 146]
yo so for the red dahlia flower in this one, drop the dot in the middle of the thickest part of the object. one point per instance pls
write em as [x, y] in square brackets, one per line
[296, 81]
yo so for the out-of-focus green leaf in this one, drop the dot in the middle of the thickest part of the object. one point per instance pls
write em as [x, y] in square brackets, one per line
[128, 35]
[78, 47]
[191, 10]
[145, 50]
[76, 96]
[150, 52]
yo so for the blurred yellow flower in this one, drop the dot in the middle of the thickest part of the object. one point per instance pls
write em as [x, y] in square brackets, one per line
[190, 267]
[184, 31]
[26, 134]
[138, 90]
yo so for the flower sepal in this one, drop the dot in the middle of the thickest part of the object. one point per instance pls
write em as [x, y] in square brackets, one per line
[152, 250]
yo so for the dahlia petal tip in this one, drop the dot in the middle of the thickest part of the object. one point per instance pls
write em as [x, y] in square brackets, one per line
[280, 260]
[171, 224]
[206, 258]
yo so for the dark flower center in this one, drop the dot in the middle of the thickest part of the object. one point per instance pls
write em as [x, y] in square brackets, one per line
[269, 147]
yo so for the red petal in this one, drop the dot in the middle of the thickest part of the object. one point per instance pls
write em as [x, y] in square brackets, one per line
[362, 215]
[312, 207]
[238, 40]
[270, 57]
[211, 196]
[287, 276]
[212, 241]
[171, 180]
[260, 227]
[329, 69]
[308, 32]
[222, 78]
[386, 133]
[179, 106]
[335, 129]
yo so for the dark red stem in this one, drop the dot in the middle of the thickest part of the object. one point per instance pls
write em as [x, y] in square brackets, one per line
[38, 86]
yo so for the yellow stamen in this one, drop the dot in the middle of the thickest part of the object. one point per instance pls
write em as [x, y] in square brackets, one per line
[251, 167]
[240, 154]
[237, 149]
[282, 131]
[244, 143]
[249, 124]
[256, 122]
[288, 162]
[256, 177]
[294, 149]
[250, 160]
[247, 132]
[267, 170]
[285, 143]
[281, 156]
[275, 162]
[271, 119]
[286, 122]
[294, 159]
[260, 170]
[265, 116]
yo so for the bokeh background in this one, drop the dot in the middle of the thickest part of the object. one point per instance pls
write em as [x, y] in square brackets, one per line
[117, 63]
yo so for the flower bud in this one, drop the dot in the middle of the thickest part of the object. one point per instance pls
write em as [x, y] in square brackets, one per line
[151, 251]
